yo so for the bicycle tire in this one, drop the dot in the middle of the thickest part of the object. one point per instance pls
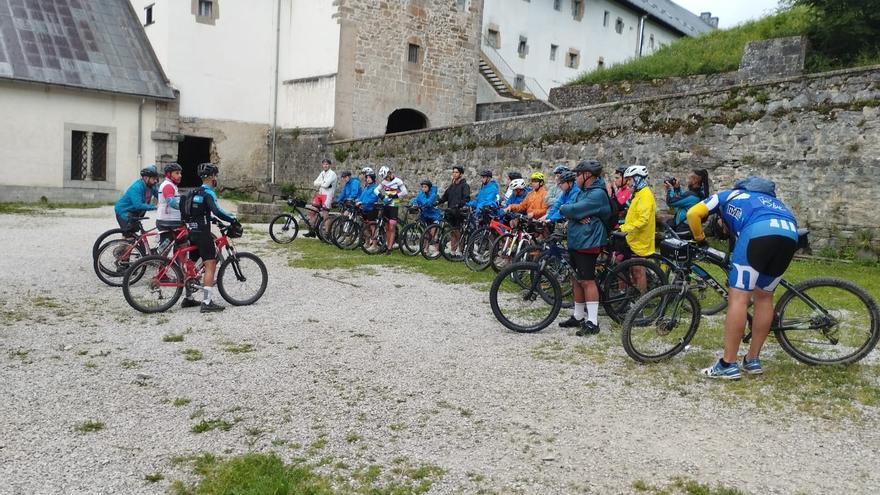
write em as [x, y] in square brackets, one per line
[478, 253]
[498, 259]
[102, 238]
[547, 288]
[410, 239]
[618, 292]
[377, 247]
[233, 264]
[866, 326]
[445, 240]
[430, 242]
[284, 228]
[650, 313]
[346, 233]
[108, 266]
[139, 277]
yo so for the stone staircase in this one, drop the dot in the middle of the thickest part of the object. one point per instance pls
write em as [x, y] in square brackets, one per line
[497, 81]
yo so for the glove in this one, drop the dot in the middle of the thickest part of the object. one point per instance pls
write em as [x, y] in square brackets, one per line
[386, 200]
[703, 243]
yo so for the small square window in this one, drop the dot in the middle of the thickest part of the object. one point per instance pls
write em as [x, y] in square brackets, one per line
[493, 38]
[606, 18]
[618, 26]
[412, 53]
[572, 59]
[557, 4]
[88, 156]
[523, 48]
[148, 15]
[577, 9]
[519, 82]
[206, 8]
[553, 49]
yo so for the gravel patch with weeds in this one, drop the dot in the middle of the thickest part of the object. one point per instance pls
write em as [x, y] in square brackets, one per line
[391, 365]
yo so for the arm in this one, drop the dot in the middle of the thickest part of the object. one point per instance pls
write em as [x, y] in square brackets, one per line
[168, 194]
[136, 196]
[329, 179]
[639, 218]
[319, 180]
[695, 217]
[215, 208]
[675, 198]
[582, 208]
[402, 192]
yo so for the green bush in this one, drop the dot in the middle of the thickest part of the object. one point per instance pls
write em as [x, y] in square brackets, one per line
[842, 33]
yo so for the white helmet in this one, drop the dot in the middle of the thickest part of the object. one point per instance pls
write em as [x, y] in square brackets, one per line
[384, 171]
[635, 170]
[367, 170]
[518, 184]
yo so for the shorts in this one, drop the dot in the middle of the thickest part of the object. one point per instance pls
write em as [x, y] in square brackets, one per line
[320, 201]
[762, 253]
[371, 215]
[204, 243]
[584, 265]
[390, 213]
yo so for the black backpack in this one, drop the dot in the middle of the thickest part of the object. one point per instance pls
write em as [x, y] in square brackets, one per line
[191, 210]
[611, 225]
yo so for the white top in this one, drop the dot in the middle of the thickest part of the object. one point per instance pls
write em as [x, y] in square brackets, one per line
[326, 184]
[164, 211]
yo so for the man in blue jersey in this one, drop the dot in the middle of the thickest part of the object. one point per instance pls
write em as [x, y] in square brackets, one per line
[137, 197]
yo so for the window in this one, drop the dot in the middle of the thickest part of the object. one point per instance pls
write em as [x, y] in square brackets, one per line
[557, 4]
[606, 18]
[577, 9]
[206, 8]
[553, 49]
[88, 156]
[573, 58]
[618, 26]
[523, 48]
[519, 82]
[651, 42]
[412, 53]
[600, 64]
[462, 4]
[148, 15]
[493, 38]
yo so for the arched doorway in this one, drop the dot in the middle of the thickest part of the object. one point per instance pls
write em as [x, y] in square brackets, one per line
[405, 119]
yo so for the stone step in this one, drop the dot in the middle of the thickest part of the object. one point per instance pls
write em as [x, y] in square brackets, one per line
[260, 212]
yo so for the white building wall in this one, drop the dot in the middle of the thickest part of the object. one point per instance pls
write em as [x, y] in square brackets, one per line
[542, 25]
[33, 142]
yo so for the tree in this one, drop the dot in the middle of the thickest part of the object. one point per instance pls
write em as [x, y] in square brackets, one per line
[844, 30]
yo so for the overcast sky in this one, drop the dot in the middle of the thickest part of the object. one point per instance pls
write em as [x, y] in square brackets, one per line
[731, 12]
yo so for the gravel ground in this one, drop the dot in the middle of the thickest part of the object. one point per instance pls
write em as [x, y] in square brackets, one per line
[382, 364]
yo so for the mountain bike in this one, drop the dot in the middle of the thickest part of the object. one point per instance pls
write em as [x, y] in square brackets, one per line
[372, 234]
[345, 229]
[284, 227]
[155, 283]
[117, 255]
[410, 238]
[135, 227]
[478, 253]
[438, 238]
[521, 237]
[817, 321]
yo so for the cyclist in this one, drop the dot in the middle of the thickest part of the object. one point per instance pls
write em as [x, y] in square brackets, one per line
[392, 190]
[204, 204]
[456, 196]
[426, 200]
[569, 190]
[323, 199]
[640, 222]
[534, 204]
[367, 201]
[137, 197]
[520, 190]
[511, 178]
[766, 237]
[621, 191]
[553, 191]
[351, 190]
[168, 206]
[697, 190]
[488, 195]
[588, 215]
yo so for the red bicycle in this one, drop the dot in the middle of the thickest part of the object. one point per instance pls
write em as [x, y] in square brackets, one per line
[114, 257]
[154, 283]
[478, 253]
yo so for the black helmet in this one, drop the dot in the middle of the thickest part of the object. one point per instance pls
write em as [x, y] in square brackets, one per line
[173, 167]
[149, 171]
[426, 182]
[207, 170]
[514, 175]
[486, 173]
[591, 166]
[567, 176]
[370, 175]
[620, 170]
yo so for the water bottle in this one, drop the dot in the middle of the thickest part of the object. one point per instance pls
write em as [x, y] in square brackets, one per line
[163, 246]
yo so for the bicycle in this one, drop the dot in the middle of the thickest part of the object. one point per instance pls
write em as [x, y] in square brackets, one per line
[284, 227]
[117, 255]
[372, 233]
[134, 228]
[345, 228]
[817, 321]
[155, 283]
[520, 238]
[437, 239]
[410, 238]
[478, 253]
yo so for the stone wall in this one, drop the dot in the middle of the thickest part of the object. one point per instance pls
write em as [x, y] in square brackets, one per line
[504, 109]
[817, 136]
[375, 77]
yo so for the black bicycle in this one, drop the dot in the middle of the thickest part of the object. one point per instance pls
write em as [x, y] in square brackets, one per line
[284, 228]
[817, 321]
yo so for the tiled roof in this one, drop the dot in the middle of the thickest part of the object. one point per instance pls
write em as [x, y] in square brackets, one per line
[92, 44]
[673, 15]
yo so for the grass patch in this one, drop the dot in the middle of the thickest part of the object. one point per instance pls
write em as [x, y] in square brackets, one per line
[173, 338]
[181, 401]
[192, 354]
[211, 424]
[684, 486]
[154, 477]
[233, 348]
[90, 426]
[353, 437]
[316, 255]
[17, 207]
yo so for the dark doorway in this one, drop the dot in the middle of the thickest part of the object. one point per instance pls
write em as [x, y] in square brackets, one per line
[190, 153]
[405, 119]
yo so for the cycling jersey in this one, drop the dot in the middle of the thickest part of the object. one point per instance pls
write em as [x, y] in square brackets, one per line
[351, 191]
[205, 205]
[393, 190]
[429, 212]
[168, 207]
[564, 198]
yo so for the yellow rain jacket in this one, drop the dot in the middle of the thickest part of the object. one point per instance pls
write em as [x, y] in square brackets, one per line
[640, 223]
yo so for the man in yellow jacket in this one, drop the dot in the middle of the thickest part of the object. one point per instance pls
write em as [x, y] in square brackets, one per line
[640, 221]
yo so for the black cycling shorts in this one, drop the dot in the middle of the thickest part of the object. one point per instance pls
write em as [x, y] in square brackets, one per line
[584, 265]
[204, 243]
[454, 217]
[389, 212]
[371, 215]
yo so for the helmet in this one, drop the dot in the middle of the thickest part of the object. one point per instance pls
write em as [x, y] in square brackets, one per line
[173, 167]
[620, 170]
[591, 166]
[560, 168]
[537, 176]
[518, 184]
[636, 171]
[567, 176]
[367, 170]
[207, 170]
[371, 175]
[428, 183]
[384, 171]
[486, 173]
[149, 171]
[514, 175]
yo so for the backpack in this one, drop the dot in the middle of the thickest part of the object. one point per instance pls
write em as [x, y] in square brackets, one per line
[614, 218]
[756, 184]
[190, 208]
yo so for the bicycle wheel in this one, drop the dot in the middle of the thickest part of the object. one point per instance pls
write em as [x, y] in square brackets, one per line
[112, 234]
[373, 239]
[322, 229]
[410, 239]
[446, 248]
[660, 324]
[114, 258]
[504, 252]
[346, 233]
[620, 289]
[242, 279]
[478, 253]
[152, 284]
[703, 282]
[283, 228]
[430, 242]
[525, 309]
[827, 321]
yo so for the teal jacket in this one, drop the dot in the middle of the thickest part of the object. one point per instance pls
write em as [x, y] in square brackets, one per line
[591, 203]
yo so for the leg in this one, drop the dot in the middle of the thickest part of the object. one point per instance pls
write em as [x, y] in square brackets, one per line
[735, 323]
[761, 322]
[640, 278]
[389, 234]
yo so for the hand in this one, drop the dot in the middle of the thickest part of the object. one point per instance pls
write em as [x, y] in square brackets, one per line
[667, 185]
[584, 220]
[703, 243]
[386, 200]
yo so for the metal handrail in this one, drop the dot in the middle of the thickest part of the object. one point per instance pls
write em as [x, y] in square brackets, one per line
[531, 87]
